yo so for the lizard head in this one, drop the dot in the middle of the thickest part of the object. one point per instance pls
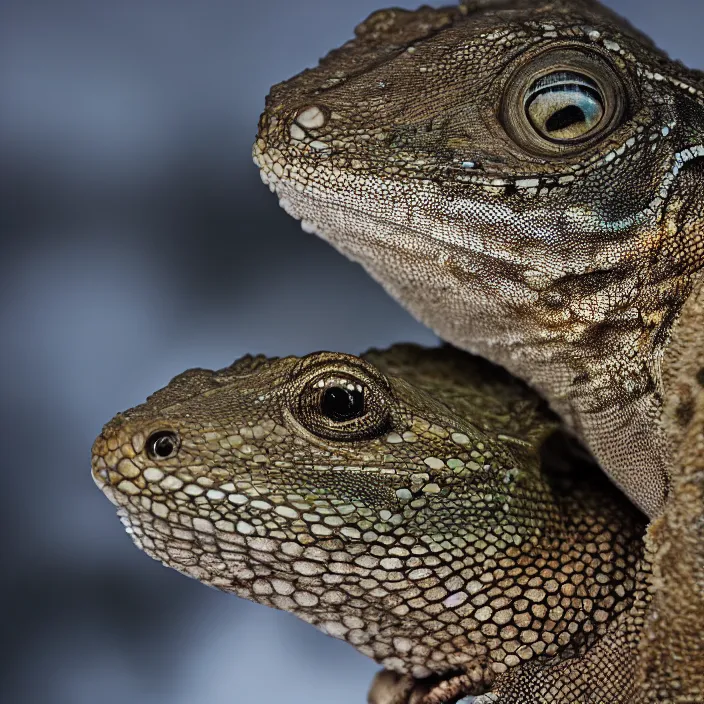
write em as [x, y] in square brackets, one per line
[399, 514]
[526, 178]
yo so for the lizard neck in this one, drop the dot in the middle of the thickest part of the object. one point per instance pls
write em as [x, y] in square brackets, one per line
[671, 649]
[683, 366]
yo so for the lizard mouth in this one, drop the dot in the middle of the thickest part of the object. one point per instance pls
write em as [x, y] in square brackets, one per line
[105, 477]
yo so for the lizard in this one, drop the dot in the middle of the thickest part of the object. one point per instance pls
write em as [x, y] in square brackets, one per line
[527, 178]
[420, 504]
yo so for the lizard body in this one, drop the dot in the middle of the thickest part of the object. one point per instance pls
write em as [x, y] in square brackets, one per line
[671, 667]
[527, 178]
[415, 503]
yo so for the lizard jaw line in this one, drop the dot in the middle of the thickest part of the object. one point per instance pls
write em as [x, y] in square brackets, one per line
[553, 257]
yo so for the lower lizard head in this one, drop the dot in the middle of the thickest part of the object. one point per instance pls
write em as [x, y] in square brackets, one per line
[388, 507]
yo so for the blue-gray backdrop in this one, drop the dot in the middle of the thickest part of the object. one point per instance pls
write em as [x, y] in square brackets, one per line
[137, 241]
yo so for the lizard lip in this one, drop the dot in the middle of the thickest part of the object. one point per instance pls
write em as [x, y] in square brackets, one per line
[103, 483]
[100, 471]
[101, 476]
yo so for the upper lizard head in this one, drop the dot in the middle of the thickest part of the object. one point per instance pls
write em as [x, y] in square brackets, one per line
[373, 498]
[526, 178]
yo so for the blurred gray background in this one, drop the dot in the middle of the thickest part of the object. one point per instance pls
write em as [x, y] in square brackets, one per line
[137, 241]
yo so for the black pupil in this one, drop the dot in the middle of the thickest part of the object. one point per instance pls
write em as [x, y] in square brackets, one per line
[340, 404]
[566, 117]
[162, 445]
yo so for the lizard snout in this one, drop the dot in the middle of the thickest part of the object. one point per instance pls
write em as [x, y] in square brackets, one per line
[112, 456]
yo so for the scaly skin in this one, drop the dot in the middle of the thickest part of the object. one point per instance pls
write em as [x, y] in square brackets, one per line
[415, 518]
[671, 667]
[411, 149]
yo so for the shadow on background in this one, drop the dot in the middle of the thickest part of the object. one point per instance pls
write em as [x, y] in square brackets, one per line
[138, 241]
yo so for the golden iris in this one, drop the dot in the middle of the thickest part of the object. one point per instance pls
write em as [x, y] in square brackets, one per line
[564, 106]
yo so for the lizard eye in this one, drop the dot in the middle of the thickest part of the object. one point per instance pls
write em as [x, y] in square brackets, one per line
[563, 101]
[342, 405]
[162, 445]
[564, 106]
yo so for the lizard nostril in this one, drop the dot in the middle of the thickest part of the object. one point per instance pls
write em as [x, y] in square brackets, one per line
[311, 117]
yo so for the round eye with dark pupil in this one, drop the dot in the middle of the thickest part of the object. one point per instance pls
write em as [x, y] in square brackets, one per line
[340, 404]
[564, 106]
[162, 445]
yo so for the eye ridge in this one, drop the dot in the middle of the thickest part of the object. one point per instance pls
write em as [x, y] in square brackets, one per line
[341, 404]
